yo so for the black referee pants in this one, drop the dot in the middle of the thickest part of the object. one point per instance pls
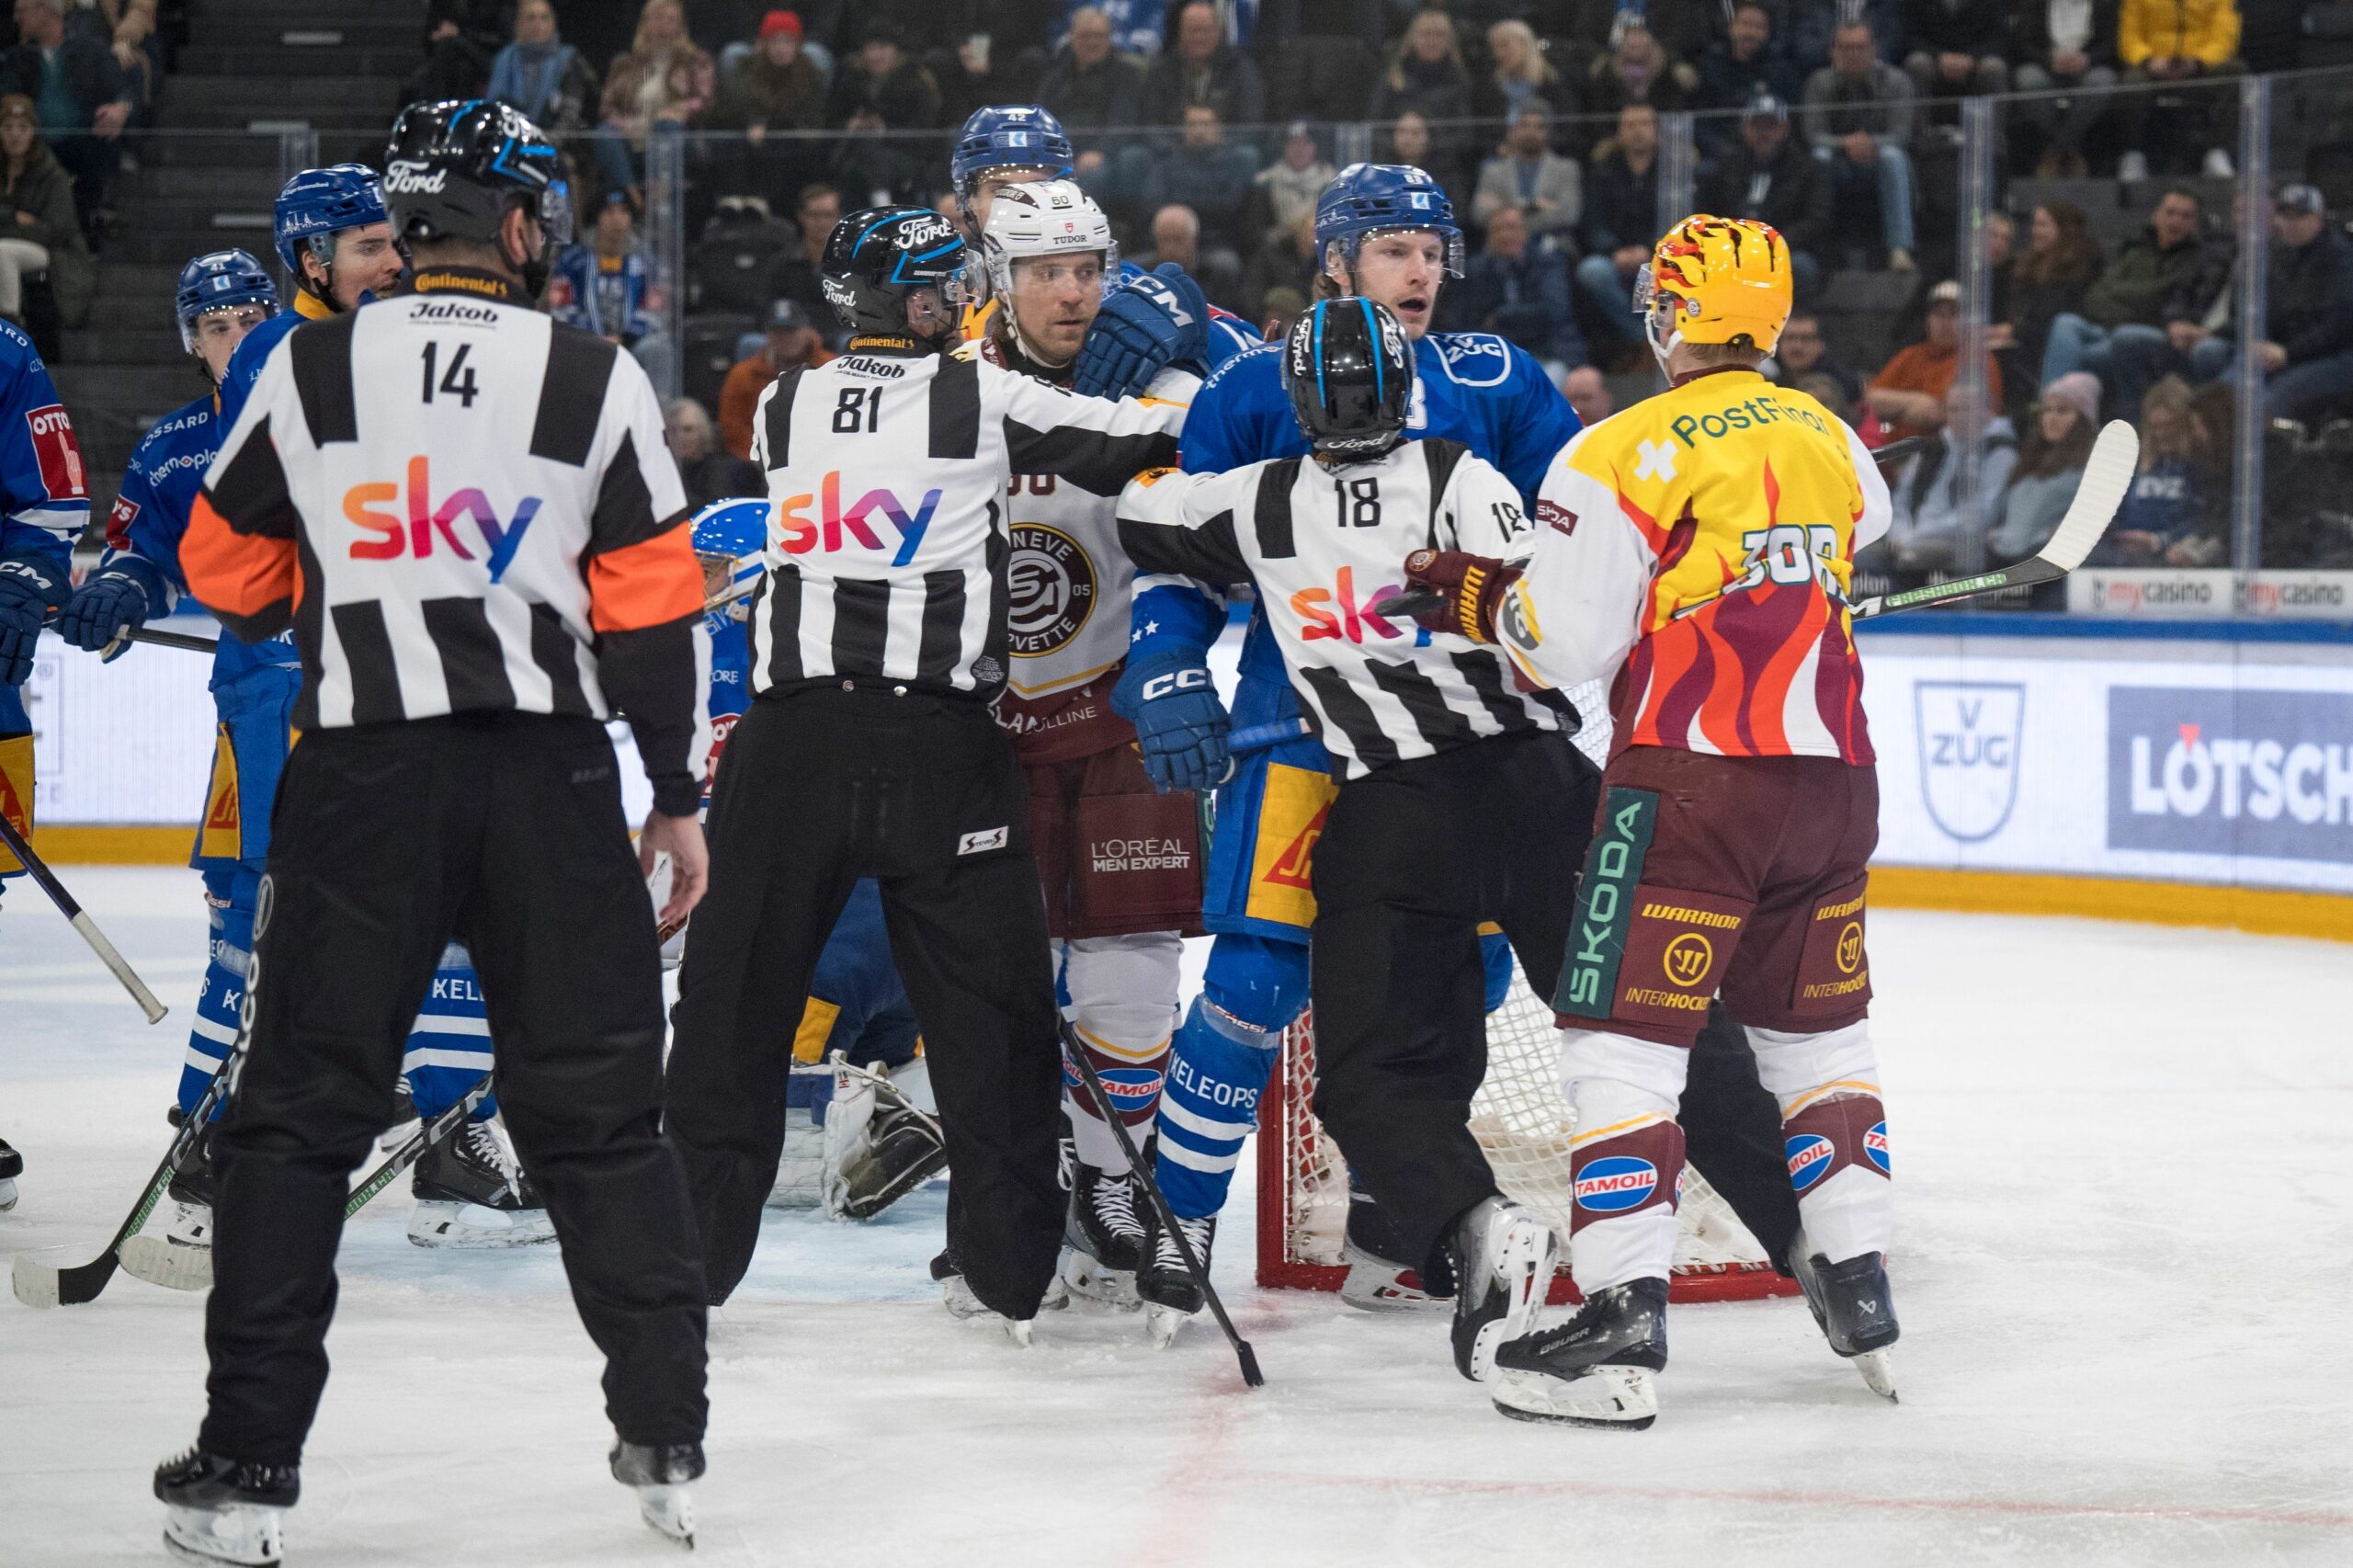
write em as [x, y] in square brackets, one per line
[1413, 856]
[505, 830]
[818, 788]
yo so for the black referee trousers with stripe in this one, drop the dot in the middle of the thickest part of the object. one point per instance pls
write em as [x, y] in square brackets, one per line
[1414, 855]
[505, 830]
[821, 785]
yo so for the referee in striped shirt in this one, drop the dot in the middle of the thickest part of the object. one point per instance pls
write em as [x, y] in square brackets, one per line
[878, 639]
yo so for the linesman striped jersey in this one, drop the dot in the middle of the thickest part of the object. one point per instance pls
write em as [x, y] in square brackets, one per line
[462, 506]
[889, 540]
[1324, 545]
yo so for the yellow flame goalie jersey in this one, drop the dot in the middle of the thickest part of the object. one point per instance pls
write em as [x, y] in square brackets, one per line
[1700, 544]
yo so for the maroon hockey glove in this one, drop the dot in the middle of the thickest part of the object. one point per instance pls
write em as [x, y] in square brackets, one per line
[1469, 587]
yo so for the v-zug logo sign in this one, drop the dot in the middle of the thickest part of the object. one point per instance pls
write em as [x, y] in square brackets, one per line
[2218, 772]
[1968, 753]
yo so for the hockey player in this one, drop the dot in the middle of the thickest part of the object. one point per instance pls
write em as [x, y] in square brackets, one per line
[1456, 800]
[1385, 232]
[1698, 547]
[469, 1190]
[1121, 862]
[879, 638]
[44, 506]
[454, 775]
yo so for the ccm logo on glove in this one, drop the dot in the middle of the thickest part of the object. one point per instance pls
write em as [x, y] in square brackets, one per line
[1169, 685]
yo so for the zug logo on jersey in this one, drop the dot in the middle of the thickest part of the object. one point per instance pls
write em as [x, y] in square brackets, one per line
[395, 537]
[836, 527]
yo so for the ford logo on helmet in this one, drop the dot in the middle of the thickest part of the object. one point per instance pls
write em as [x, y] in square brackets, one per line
[406, 177]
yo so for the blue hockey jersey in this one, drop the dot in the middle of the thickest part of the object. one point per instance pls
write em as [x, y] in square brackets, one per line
[151, 515]
[731, 678]
[245, 365]
[1470, 387]
[44, 493]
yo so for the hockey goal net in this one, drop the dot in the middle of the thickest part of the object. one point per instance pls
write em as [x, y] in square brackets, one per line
[1522, 1119]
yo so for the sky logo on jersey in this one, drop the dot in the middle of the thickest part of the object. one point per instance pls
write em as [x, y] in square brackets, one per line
[395, 537]
[1875, 1146]
[1615, 1183]
[1342, 610]
[798, 534]
[1809, 1156]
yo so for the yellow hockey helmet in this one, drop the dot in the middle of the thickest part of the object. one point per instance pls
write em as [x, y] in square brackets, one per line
[1714, 279]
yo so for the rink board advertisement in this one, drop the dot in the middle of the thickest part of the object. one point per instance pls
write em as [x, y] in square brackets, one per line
[2172, 760]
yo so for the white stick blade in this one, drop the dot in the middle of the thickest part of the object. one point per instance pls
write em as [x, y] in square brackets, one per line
[34, 1281]
[158, 1262]
[2107, 476]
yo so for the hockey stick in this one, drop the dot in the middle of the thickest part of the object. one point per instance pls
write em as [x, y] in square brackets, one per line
[157, 1260]
[1258, 737]
[37, 1284]
[160, 639]
[14, 842]
[1076, 1051]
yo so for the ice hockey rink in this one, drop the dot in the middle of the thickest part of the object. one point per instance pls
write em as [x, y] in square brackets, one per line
[2126, 1189]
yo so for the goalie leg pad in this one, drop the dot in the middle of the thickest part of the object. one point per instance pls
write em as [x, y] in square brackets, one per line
[1626, 1159]
[1121, 998]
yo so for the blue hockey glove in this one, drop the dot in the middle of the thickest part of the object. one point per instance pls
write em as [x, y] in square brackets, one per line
[102, 609]
[1180, 724]
[1153, 321]
[32, 588]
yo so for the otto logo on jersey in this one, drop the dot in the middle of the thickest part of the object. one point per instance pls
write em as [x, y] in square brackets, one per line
[1809, 1156]
[57, 451]
[1615, 1183]
[836, 527]
[1342, 610]
[395, 537]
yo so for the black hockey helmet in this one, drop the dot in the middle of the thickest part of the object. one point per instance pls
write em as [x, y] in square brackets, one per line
[453, 170]
[876, 258]
[1350, 375]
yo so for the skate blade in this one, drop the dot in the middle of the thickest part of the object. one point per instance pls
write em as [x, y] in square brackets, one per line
[441, 1224]
[244, 1534]
[1086, 1277]
[1161, 1323]
[1878, 1368]
[1621, 1397]
[669, 1511]
[159, 1261]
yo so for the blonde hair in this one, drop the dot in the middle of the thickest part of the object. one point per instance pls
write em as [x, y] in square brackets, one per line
[645, 12]
[1537, 71]
[1422, 22]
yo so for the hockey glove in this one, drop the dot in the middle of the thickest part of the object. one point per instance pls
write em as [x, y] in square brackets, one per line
[1180, 724]
[32, 589]
[102, 609]
[1151, 321]
[1470, 588]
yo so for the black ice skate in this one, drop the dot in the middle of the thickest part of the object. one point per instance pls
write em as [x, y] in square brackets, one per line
[1503, 1258]
[903, 1149]
[1853, 1307]
[1162, 1282]
[1377, 1281]
[1596, 1369]
[471, 1193]
[964, 1304]
[217, 1510]
[1105, 1236]
[661, 1475]
[12, 1165]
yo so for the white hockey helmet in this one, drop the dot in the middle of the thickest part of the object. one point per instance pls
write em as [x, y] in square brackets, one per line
[1050, 217]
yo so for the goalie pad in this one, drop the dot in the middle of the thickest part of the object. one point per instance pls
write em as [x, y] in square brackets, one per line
[878, 1141]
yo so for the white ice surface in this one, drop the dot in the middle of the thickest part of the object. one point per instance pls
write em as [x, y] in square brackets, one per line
[2123, 1157]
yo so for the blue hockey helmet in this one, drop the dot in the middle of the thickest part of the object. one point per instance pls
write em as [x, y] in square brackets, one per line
[1009, 136]
[1374, 199]
[220, 281]
[734, 532]
[318, 204]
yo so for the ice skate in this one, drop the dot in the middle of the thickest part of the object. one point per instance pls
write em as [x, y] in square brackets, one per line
[181, 1258]
[1162, 1282]
[661, 1476]
[1596, 1369]
[1504, 1258]
[1376, 1281]
[217, 1510]
[404, 1121]
[1853, 1308]
[966, 1306]
[471, 1193]
[12, 1165]
[1105, 1236]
